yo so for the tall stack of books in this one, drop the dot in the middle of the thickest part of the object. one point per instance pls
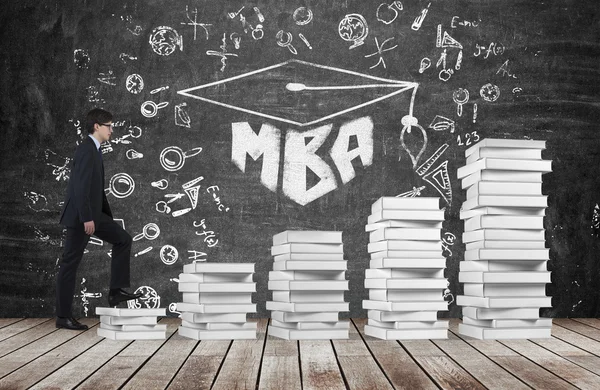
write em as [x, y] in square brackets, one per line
[505, 266]
[406, 273]
[216, 299]
[308, 283]
[131, 324]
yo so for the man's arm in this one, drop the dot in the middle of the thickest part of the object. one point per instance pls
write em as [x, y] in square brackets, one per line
[83, 165]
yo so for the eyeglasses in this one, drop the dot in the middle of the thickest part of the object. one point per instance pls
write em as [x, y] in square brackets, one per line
[110, 125]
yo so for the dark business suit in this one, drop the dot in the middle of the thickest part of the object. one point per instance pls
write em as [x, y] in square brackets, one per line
[86, 201]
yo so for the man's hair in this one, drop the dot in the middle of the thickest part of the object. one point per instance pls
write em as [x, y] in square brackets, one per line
[97, 115]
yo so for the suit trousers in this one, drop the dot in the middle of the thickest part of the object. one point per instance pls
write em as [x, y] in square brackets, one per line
[107, 230]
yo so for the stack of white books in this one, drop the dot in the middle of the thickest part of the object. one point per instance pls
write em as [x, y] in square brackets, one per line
[216, 299]
[308, 283]
[131, 324]
[406, 273]
[505, 266]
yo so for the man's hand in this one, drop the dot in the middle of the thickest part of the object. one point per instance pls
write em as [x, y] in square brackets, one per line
[89, 227]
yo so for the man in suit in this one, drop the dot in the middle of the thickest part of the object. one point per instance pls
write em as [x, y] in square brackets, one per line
[86, 212]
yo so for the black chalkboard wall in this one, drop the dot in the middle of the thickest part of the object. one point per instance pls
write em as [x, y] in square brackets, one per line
[60, 60]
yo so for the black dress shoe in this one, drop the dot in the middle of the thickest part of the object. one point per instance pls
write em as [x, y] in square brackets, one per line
[70, 323]
[118, 295]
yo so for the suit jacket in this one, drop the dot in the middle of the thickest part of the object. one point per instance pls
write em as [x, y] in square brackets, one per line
[85, 200]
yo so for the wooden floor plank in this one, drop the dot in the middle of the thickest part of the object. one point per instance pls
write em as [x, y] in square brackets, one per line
[46, 364]
[24, 355]
[571, 353]
[4, 322]
[576, 339]
[319, 366]
[280, 368]
[578, 327]
[121, 367]
[20, 326]
[242, 363]
[359, 367]
[594, 322]
[400, 368]
[201, 367]
[25, 337]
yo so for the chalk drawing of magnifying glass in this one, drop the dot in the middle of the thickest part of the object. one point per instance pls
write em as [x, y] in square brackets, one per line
[120, 179]
[172, 158]
[287, 43]
[150, 232]
[150, 109]
[460, 97]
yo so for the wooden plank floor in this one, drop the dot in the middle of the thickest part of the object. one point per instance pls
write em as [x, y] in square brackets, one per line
[34, 354]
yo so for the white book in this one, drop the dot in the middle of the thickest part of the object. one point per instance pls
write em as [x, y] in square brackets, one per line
[504, 164]
[509, 314]
[405, 295]
[307, 236]
[310, 265]
[504, 222]
[504, 277]
[220, 308]
[229, 334]
[405, 334]
[538, 323]
[501, 175]
[503, 333]
[406, 284]
[140, 335]
[504, 289]
[404, 245]
[409, 324]
[307, 275]
[506, 144]
[384, 262]
[507, 254]
[307, 334]
[213, 317]
[492, 210]
[216, 298]
[219, 325]
[404, 306]
[110, 320]
[396, 203]
[306, 248]
[217, 287]
[503, 266]
[505, 200]
[416, 273]
[309, 257]
[329, 285]
[386, 316]
[504, 188]
[215, 278]
[308, 296]
[135, 328]
[405, 234]
[219, 268]
[308, 307]
[116, 312]
[305, 317]
[487, 244]
[408, 254]
[503, 302]
[311, 325]
[512, 153]
[403, 224]
[503, 235]
[412, 215]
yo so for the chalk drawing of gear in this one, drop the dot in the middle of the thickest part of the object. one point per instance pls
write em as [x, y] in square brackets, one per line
[172, 158]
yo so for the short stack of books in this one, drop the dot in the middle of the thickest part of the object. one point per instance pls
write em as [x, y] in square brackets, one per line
[216, 299]
[406, 273]
[505, 266]
[308, 283]
[131, 324]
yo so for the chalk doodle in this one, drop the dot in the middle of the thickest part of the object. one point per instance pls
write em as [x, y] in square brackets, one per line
[195, 23]
[459, 60]
[437, 177]
[125, 57]
[287, 41]
[81, 58]
[169, 254]
[172, 158]
[150, 232]
[133, 28]
[133, 132]
[423, 168]
[353, 28]
[143, 252]
[416, 191]
[132, 154]
[149, 300]
[387, 13]
[93, 95]
[159, 89]
[302, 16]
[456, 21]
[416, 25]
[196, 255]
[257, 32]
[161, 184]
[303, 38]
[37, 202]
[469, 138]
[441, 123]
[164, 40]
[448, 296]
[596, 220]
[517, 90]
[460, 97]
[182, 118]
[489, 92]
[173, 308]
[223, 54]
[107, 78]
[474, 112]
[415, 154]
[214, 190]
[209, 235]
[445, 40]
[163, 207]
[445, 74]
[120, 179]
[85, 295]
[505, 70]
[442, 60]
[192, 189]
[149, 109]
[425, 64]
[447, 241]
[493, 48]
[134, 83]
[380, 51]
[59, 164]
